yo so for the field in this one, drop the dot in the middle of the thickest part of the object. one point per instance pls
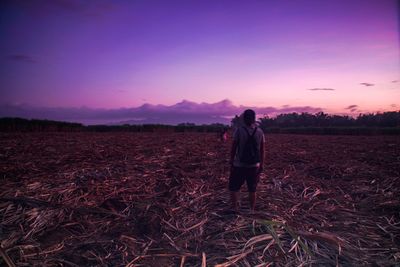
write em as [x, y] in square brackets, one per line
[149, 199]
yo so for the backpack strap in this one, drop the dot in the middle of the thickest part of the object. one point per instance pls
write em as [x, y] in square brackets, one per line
[251, 135]
[254, 132]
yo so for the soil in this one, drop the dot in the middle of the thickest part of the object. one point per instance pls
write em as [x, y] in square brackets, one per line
[160, 199]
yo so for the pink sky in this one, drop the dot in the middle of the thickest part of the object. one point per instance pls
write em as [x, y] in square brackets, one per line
[113, 54]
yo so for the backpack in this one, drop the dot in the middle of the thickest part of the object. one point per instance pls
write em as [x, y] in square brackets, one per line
[250, 153]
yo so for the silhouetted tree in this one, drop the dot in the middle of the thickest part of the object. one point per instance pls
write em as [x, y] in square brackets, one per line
[322, 120]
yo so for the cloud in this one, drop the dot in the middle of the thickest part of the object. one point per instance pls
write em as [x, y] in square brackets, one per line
[393, 105]
[21, 58]
[85, 8]
[395, 81]
[184, 111]
[367, 84]
[352, 108]
[321, 89]
[42, 8]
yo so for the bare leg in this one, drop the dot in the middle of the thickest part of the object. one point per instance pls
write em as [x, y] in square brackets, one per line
[252, 198]
[235, 200]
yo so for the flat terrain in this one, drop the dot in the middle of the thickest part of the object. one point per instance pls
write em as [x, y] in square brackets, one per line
[160, 199]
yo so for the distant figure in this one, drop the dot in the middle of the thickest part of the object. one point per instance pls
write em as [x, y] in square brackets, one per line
[223, 135]
[247, 159]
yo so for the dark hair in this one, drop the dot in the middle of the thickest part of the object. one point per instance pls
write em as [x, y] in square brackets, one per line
[249, 116]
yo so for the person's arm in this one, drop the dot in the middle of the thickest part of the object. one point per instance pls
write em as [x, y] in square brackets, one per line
[234, 147]
[261, 155]
[233, 151]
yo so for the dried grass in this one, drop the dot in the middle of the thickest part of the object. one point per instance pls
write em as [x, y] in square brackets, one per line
[130, 199]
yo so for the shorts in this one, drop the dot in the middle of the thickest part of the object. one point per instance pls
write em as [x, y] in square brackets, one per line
[240, 174]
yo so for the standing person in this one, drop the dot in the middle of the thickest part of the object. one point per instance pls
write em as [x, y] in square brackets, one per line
[247, 159]
[223, 136]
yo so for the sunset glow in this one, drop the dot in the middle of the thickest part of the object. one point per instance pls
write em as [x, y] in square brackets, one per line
[115, 54]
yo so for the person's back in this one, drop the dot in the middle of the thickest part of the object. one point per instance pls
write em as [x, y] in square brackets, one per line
[247, 159]
[242, 135]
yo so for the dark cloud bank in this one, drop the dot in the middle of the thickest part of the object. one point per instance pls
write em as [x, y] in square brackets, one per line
[184, 111]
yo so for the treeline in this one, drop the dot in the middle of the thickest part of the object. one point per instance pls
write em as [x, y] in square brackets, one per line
[335, 130]
[183, 127]
[320, 119]
[25, 125]
[322, 123]
[34, 125]
[292, 123]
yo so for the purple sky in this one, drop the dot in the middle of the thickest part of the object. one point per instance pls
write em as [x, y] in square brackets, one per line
[326, 55]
